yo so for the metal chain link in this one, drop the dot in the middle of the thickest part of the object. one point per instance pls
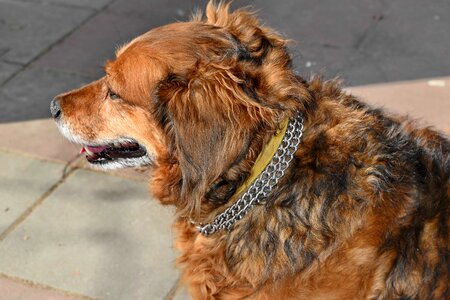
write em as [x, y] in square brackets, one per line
[263, 184]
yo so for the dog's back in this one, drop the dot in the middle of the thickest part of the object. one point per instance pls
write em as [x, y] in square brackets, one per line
[402, 172]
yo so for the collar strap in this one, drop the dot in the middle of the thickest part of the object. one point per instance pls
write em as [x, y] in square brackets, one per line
[269, 167]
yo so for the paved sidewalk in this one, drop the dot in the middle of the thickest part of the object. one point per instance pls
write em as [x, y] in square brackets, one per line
[82, 232]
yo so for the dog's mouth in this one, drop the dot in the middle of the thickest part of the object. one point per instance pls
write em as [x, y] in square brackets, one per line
[122, 153]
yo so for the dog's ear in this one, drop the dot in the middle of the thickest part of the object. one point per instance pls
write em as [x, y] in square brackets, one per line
[209, 120]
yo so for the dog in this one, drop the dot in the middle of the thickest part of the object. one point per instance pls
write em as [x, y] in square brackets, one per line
[284, 188]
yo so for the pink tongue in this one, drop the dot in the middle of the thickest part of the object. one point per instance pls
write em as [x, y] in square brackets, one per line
[96, 149]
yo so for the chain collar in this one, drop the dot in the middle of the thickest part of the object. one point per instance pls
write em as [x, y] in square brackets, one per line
[263, 185]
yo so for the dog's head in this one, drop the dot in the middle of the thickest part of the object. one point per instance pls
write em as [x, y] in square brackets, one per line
[203, 95]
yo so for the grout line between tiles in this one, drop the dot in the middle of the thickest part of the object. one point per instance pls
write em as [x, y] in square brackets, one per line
[73, 161]
[173, 290]
[67, 171]
[55, 43]
[26, 154]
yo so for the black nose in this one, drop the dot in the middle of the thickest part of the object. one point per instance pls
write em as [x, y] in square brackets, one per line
[55, 109]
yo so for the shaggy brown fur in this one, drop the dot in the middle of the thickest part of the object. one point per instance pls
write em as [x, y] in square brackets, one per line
[361, 213]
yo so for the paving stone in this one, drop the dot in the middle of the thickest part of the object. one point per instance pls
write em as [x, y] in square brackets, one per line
[312, 60]
[411, 40]
[98, 236]
[160, 11]
[28, 28]
[359, 69]
[28, 95]
[7, 69]
[3, 51]
[18, 290]
[41, 139]
[96, 4]
[22, 181]
[368, 69]
[182, 294]
[87, 49]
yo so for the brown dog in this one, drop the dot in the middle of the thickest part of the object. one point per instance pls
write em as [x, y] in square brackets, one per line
[356, 209]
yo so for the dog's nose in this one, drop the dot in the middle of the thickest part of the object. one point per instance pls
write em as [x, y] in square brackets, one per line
[55, 109]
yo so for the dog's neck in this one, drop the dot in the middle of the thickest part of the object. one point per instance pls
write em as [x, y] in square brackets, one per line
[268, 168]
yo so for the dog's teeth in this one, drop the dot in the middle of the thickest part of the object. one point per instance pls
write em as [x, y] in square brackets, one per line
[88, 152]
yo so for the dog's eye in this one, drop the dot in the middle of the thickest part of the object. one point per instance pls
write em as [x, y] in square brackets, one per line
[112, 95]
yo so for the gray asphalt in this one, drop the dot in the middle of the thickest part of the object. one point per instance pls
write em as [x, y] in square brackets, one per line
[50, 46]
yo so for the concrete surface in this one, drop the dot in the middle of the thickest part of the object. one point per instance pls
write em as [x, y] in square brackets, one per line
[16, 289]
[28, 29]
[89, 4]
[40, 139]
[7, 69]
[182, 294]
[94, 235]
[21, 185]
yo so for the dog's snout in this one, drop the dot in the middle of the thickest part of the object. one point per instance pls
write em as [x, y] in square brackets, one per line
[55, 109]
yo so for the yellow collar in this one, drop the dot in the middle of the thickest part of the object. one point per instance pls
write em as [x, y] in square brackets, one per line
[263, 159]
